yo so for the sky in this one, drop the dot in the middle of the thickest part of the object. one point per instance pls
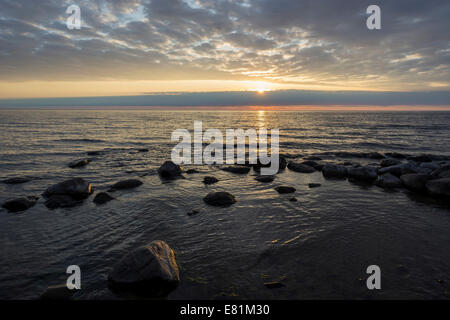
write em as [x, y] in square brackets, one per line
[224, 52]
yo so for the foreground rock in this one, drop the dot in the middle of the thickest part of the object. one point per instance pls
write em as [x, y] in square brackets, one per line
[388, 180]
[20, 204]
[334, 171]
[78, 163]
[210, 180]
[169, 170]
[126, 184]
[237, 169]
[300, 167]
[265, 179]
[59, 292]
[285, 189]
[150, 269]
[76, 188]
[367, 173]
[219, 199]
[17, 180]
[102, 198]
[415, 181]
[439, 187]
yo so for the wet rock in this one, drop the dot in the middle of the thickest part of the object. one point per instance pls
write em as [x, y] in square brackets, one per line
[366, 173]
[389, 162]
[192, 171]
[293, 199]
[415, 181]
[59, 292]
[314, 185]
[388, 180]
[78, 163]
[285, 189]
[439, 187]
[219, 199]
[430, 165]
[319, 166]
[94, 153]
[102, 198]
[193, 212]
[395, 155]
[169, 170]
[265, 179]
[299, 167]
[237, 169]
[375, 155]
[421, 158]
[150, 270]
[61, 201]
[210, 180]
[126, 184]
[442, 172]
[17, 180]
[143, 150]
[398, 170]
[20, 204]
[76, 188]
[334, 171]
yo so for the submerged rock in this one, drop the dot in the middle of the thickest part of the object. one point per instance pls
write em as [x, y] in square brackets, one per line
[58, 292]
[389, 162]
[102, 198]
[169, 170]
[265, 179]
[76, 188]
[20, 204]
[314, 185]
[388, 180]
[17, 180]
[285, 189]
[293, 199]
[219, 199]
[415, 181]
[126, 184]
[78, 163]
[237, 169]
[439, 187]
[193, 212]
[192, 171]
[300, 167]
[210, 180]
[143, 150]
[150, 269]
[375, 155]
[334, 171]
[366, 173]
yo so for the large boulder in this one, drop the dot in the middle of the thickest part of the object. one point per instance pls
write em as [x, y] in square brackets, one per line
[169, 170]
[439, 187]
[126, 184]
[388, 180]
[76, 188]
[415, 181]
[150, 270]
[78, 163]
[219, 199]
[366, 173]
[334, 171]
[300, 167]
[20, 204]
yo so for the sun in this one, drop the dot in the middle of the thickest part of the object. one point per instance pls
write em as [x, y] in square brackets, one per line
[261, 90]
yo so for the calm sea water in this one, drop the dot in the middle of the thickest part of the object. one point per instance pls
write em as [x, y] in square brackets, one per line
[319, 247]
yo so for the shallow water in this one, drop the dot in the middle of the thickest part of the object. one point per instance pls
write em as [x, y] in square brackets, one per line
[319, 247]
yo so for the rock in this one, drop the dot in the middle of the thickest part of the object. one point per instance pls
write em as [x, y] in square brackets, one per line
[430, 165]
[78, 163]
[237, 169]
[219, 199]
[17, 180]
[20, 204]
[192, 171]
[193, 212]
[274, 284]
[415, 181]
[299, 167]
[94, 153]
[143, 150]
[210, 180]
[319, 166]
[150, 269]
[59, 292]
[61, 201]
[285, 189]
[395, 155]
[388, 180]
[389, 162]
[421, 158]
[169, 170]
[366, 173]
[265, 179]
[398, 170]
[310, 163]
[293, 199]
[314, 185]
[442, 172]
[126, 184]
[375, 155]
[102, 198]
[439, 187]
[76, 188]
[334, 171]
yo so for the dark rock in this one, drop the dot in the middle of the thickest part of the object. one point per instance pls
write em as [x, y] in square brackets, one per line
[285, 189]
[293, 199]
[398, 170]
[150, 270]
[61, 201]
[299, 167]
[314, 185]
[102, 198]
[78, 163]
[334, 171]
[193, 212]
[126, 184]
[389, 162]
[169, 170]
[210, 180]
[59, 292]
[76, 188]
[388, 180]
[366, 173]
[442, 172]
[219, 199]
[319, 166]
[395, 155]
[20, 204]
[421, 158]
[143, 150]
[415, 181]
[94, 153]
[237, 169]
[17, 180]
[274, 285]
[430, 166]
[265, 179]
[439, 187]
[375, 155]
[192, 171]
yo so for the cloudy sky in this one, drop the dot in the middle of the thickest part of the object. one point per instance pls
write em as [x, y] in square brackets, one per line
[139, 47]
